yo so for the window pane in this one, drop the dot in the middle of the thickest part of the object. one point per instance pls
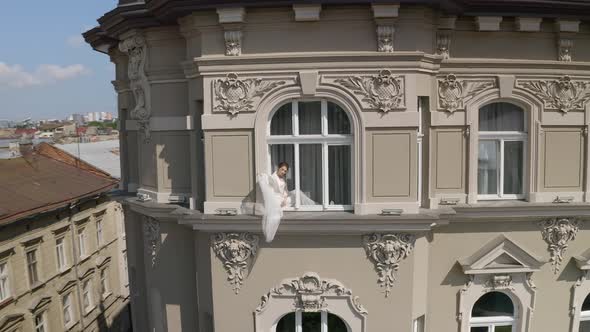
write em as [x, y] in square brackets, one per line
[513, 167]
[310, 114]
[287, 323]
[311, 322]
[480, 329]
[281, 123]
[335, 324]
[310, 165]
[338, 122]
[504, 328]
[284, 153]
[501, 117]
[493, 304]
[339, 174]
[487, 170]
[585, 326]
[586, 305]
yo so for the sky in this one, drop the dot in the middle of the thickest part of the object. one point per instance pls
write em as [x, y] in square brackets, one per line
[47, 71]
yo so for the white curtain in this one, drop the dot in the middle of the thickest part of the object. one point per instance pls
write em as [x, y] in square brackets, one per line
[487, 168]
[501, 117]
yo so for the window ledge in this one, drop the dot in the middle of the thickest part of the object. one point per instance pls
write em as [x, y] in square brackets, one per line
[6, 301]
[70, 326]
[89, 310]
[84, 258]
[106, 295]
[37, 285]
[64, 270]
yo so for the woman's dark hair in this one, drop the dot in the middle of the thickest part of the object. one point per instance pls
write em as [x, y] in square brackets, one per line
[282, 163]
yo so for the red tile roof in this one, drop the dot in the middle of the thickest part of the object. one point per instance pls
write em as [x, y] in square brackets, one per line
[47, 179]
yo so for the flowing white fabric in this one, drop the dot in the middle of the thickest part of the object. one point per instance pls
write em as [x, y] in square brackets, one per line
[273, 211]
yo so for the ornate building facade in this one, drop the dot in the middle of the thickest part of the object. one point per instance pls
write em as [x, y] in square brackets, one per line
[438, 159]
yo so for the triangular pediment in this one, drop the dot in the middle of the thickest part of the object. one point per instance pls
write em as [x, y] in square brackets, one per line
[65, 285]
[501, 255]
[583, 260]
[39, 303]
[11, 321]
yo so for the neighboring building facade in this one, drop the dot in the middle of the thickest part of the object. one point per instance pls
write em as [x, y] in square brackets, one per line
[469, 117]
[62, 246]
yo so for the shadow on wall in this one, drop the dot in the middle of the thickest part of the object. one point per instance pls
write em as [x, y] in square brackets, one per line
[178, 180]
[120, 322]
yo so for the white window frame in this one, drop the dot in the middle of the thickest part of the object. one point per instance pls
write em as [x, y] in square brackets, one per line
[103, 276]
[299, 322]
[4, 281]
[42, 325]
[492, 322]
[30, 274]
[325, 140]
[87, 299]
[502, 137]
[99, 233]
[81, 235]
[61, 254]
[66, 303]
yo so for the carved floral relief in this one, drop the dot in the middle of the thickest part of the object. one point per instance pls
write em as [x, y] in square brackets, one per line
[386, 251]
[453, 92]
[563, 94]
[558, 232]
[136, 49]
[234, 95]
[385, 38]
[383, 91]
[235, 250]
[151, 233]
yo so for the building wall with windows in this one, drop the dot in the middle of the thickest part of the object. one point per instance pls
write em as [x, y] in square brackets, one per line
[438, 164]
[46, 284]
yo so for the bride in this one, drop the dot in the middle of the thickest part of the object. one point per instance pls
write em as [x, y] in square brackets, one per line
[277, 197]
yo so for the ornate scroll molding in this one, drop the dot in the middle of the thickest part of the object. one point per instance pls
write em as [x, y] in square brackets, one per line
[233, 42]
[452, 92]
[151, 234]
[387, 251]
[136, 49]
[563, 95]
[565, 49]
[443, 44]
[235, 95]
[557, 232]
[235, 251]
[384, 91]
[309, 293]
[385, 38]
[499, 282]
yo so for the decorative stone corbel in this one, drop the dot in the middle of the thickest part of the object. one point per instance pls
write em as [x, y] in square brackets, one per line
[386, 251]
[385, 17]
[151, 233]
[564, 94]
[452, 92]
[558, 232]
[234, 95]
[231, 20]
[383, 91]
[446, 25]
[236, 251]
[136, 49]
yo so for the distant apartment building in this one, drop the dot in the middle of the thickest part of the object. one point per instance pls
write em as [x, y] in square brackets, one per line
[77, 119]
[98, 116]
[62, 246]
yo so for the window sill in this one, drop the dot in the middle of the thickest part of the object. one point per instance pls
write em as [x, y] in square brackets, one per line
[89, 310]
[64, 270]
[84, 258]
[106, 295]
[70, 326]
[36, 286]
[6, 302]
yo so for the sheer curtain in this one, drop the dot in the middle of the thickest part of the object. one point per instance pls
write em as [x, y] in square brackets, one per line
[501, 117]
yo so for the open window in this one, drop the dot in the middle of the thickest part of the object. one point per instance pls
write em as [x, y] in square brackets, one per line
[493, 312]
[501, 152]
[312, 322]
[315, 139]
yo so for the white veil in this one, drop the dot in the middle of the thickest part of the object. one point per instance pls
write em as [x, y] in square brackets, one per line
[273, 212]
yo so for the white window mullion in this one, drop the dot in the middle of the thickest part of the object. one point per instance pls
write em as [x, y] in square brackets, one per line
[501, 170]
[295, 118]
[298, 321]
[324, 117]
[297, 176]
[324, 327]
[325, 167]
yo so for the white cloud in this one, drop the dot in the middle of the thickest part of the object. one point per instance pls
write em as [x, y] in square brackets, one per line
[75, 41]
[16, 76]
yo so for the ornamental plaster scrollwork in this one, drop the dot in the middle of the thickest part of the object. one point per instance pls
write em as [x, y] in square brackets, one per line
[558, 232]
[565, 49]
[233, 42]
[499, 282]
[386, 251]
[310, 293]
[452, 92]
[383, 91]
[151, 233]
[563, 95]
[235, 250]
[136, 49]
[443, 44]
[234, 95]
[385, 38]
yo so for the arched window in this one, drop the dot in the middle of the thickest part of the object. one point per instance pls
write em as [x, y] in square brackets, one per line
[312, 322]
[502, 152]
[493, 312]
[585, 315]
[315, 139]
